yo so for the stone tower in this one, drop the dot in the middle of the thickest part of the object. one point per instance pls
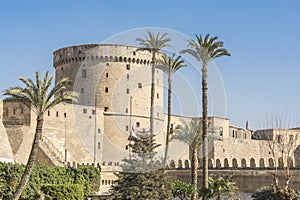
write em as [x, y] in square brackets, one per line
[116, 80]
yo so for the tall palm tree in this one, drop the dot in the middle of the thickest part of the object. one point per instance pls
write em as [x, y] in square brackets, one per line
[205, 51]
[170, 64]
[153, 44]
[40, 98]
[190, 133]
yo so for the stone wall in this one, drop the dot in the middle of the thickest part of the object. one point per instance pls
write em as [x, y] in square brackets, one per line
[6, 154]
[248, 180]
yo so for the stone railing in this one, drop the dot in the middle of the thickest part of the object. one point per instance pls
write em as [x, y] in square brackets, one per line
[52, 152]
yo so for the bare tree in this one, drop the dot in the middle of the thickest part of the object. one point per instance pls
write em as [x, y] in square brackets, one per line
[282, 141]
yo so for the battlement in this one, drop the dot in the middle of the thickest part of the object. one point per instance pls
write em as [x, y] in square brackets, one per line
[97, 53]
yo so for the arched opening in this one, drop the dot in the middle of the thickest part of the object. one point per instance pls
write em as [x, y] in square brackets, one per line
[234, 163]
[298, 162]
[111, 59]
[106, 59]
[145, 62]
[125, 59]
[129, 60]
[210, 163]
[101, 59]
[120, 59]
[271, 162]
[172, 164]
[200, 163]
[244, 163]
[218, 163]
[137, 61]
[291, 162]
[252, 162]
[148, 62]
[226, 163]
[179, 164]
[116, 59]
[262, 163]
[133, 60]
[186, 164]
[280, 162]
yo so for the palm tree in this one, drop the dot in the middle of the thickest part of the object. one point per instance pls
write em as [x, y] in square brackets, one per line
[222, 185]
[40, 98]
[170, 64]
[153, 44]
[190, 133]
[205, 51]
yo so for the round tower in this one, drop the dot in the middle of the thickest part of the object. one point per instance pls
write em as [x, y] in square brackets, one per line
[116, 79]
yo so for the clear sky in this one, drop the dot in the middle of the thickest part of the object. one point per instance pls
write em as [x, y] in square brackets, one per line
[263, 37]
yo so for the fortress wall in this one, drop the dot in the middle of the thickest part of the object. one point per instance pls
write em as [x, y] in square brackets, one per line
[73, 128]
[248, 180]
[15, 113]
[66, 126]
[239, 149]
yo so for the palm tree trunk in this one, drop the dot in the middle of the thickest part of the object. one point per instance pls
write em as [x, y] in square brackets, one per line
[205, 126]
[195, 173]
[152, 95]
[169, 117]
[31, 159]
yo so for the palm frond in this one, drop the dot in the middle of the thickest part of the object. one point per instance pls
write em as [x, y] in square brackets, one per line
[37, 96]
[171, 64]
[189, 133]
[153, 43]
[207, 49]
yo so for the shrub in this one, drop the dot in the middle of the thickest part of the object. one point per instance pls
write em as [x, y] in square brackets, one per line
[263, 193]
[63, 191]
[10, 175]
[182, 190]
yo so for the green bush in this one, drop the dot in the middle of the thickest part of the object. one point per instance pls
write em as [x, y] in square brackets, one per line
[63, 191]
[10, 175]
[182, 190]
[263, 193]
[266, 193]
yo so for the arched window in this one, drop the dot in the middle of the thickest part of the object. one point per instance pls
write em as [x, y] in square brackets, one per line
[218, 163]
[244, 163]
[180, 164]
[252, 162]
[226, 164]
[261, 163]
[210, 163]
[234, 163]
[172, 164]
[186, 164]
[271, 162]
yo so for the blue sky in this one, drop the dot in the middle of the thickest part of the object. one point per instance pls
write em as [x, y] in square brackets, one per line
[263, 37]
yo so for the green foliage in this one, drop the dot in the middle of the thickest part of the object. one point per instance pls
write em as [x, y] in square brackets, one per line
[142, 176]
[10, 175]
[297, 195]
[182, 190]
[266, 193]
[263, 193]
[63, 191]
[221, 185]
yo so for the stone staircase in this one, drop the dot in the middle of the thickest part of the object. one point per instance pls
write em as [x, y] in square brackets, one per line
[52, 152]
